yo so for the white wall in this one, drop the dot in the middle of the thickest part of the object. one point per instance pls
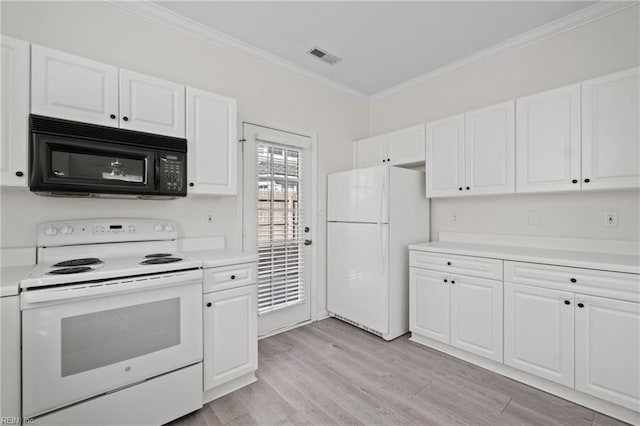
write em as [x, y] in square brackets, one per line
[598, 48]
[266, 95]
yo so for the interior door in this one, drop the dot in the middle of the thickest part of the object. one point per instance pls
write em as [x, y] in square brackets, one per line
[538, 332]
[608, 349]
[358, 273]
[277, 214]
[359, 195]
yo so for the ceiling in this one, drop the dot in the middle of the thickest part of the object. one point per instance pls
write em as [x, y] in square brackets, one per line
[382, 44]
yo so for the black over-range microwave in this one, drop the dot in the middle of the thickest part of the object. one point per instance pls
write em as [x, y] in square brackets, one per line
[69, 158]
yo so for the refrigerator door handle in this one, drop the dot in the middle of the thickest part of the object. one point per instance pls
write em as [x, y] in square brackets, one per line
[380, 226]
[382, 256]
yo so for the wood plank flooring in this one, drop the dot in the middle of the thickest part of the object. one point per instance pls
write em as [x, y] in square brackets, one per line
[330, 373]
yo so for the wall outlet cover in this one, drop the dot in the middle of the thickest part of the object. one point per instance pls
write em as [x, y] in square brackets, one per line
[610, 219]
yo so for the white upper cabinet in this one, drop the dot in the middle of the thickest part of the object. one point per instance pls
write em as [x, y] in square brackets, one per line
[607, 336]
[406, 146]
[490, 149]
[444, 163]
[548, 141]
[14, 132]
[371, 151]
[152, 105]
[212, 143]
[610, 135]
[400, 148]
[73, 88]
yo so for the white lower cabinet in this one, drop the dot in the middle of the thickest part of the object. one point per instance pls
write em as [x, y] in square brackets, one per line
[538, 331]
[230, 330]
[607, 339]
[465, 312]
[545, 325]
[476, 316]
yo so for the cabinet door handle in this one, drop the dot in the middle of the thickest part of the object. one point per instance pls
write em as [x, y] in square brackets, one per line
[125, 118]
[587, 180]
[460, 189]
[448, 263]
[384, 161]
[209, 305]
[573, 280]
[445, 280]
[113, 116]
[19, 173]
[453, 282]
[580, 305]
[233, 277]
[468, 188]
[388, 159]
[566, 302]
[574, 181]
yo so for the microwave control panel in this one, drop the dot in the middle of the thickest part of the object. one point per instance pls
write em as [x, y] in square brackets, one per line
[173, 173]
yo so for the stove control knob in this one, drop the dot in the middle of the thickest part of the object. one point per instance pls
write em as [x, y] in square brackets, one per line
[168, 227]
[51, 231]
[66, 230]
[158, 227]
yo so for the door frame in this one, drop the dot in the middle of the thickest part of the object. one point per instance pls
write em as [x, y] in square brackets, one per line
[313, 175]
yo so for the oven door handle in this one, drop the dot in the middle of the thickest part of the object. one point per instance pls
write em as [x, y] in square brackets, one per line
[37, 298]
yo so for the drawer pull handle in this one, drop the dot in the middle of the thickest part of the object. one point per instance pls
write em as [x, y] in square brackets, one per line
[566, 302]
[209, 305]
[233, 277]
[448, 263]
[580, 305]
[573, 280]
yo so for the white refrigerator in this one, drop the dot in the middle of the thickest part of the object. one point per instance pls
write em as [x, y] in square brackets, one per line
[374, 214]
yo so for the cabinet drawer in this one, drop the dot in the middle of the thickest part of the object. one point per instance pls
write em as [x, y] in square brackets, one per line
[230, 276]
[616, 285]
[464, 265]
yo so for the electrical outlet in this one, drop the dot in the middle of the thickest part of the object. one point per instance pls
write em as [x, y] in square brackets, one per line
[455, 217]
[610, 219]
[209, 217]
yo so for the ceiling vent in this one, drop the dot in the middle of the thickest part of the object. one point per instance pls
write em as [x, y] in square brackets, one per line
[324, 56]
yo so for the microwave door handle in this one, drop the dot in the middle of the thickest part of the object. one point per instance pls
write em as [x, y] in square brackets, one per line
[156, 174]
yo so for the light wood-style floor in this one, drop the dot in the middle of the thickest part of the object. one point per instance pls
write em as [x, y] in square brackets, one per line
[329, 373]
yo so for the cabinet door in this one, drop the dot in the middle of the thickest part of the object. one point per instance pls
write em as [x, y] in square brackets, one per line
[610, 135]
[73, 88]
[476, 316]
[14, 134]
[429, 304]
[152, 105]
[548, 141]
[444, 157]
[538, 332]
[406, 146]
[371, 151]
[490, 149]
[212, 143]
[608, 350]
[230, 335]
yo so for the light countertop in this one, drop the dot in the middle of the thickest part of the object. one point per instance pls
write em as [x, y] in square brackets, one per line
[221, 257]
[627, 263]
[10, 277]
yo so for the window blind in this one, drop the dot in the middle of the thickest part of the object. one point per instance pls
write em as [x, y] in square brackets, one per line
[280, 237]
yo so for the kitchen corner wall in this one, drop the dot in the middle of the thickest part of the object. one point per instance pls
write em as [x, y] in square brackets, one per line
[266, 95]
[604, 46]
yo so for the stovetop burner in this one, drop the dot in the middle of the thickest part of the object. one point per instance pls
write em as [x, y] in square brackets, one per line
[78, 262]
[155, 255]
[73, 270]
[159, 260]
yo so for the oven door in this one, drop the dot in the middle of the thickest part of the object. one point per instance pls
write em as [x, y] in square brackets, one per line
[64, 164]
[84, 340]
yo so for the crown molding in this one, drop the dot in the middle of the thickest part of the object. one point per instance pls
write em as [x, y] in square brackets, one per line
[156, 12]
[589, 14]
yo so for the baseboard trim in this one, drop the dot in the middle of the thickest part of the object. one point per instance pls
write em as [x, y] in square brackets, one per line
[569, 394]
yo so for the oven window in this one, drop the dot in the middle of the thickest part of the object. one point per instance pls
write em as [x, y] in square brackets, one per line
[73, 165]
[91, 341]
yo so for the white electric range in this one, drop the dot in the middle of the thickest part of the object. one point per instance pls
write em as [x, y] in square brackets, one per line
[111, 324]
